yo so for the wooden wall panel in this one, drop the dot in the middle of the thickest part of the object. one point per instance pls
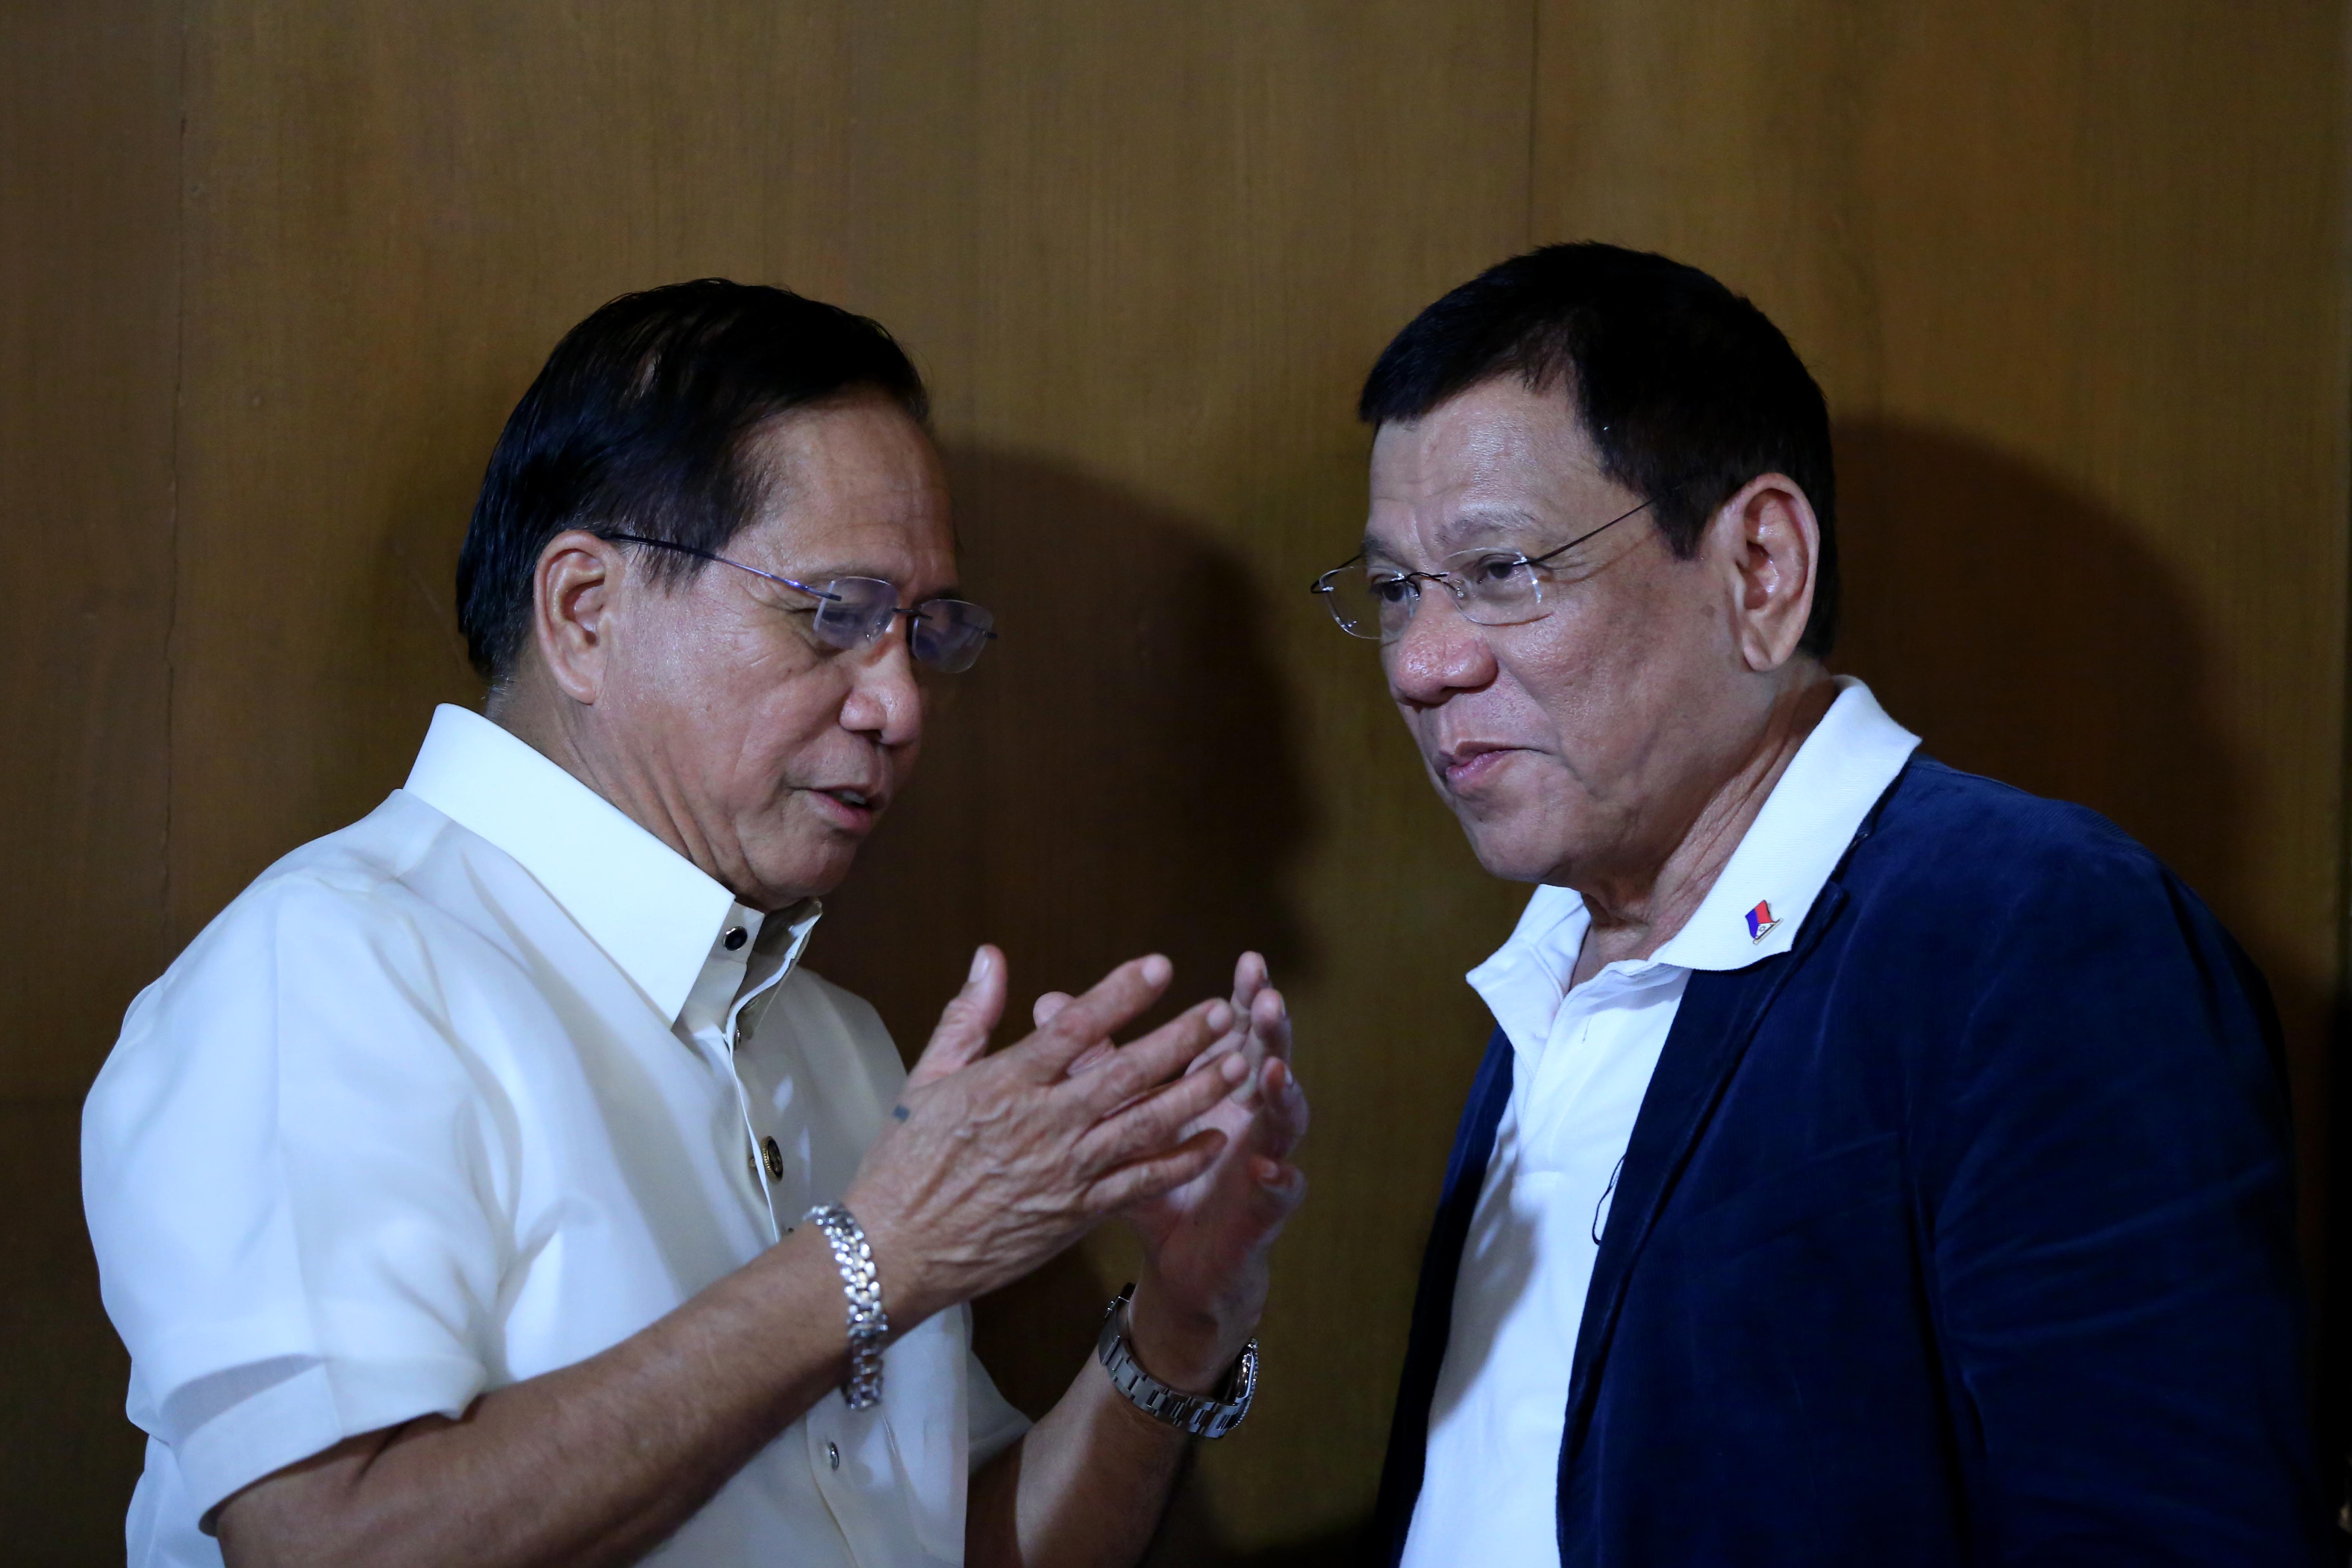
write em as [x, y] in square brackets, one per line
[1144, 258]
[2073, 279]
[395, 213]
[2072, 275]
[1196, 226]
[88, 165]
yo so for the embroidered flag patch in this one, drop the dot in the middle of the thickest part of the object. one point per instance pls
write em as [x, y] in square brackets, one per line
[1760, 921]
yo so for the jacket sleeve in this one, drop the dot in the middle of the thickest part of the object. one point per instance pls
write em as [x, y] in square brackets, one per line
[2106, 1172]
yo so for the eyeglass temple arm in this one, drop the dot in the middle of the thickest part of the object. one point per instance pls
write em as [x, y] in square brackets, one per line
[1548, 554]
[711, 555]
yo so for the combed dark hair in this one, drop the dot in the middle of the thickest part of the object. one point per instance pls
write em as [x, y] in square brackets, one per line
[1687, 391]
[637, 425]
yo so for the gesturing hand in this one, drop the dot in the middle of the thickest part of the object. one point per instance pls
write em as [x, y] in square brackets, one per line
[997, 1162]
[1205, 1240]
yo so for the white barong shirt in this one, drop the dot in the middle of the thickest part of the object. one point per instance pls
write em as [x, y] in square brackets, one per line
[468, 1091]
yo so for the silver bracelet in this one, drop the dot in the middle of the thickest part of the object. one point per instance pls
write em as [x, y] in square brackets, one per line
[869, 1324]
[1201, 1415]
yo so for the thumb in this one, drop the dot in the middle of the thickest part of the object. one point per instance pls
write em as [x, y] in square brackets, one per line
[966, 1022]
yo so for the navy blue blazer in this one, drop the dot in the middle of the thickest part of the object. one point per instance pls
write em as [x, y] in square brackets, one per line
[1961, 1233]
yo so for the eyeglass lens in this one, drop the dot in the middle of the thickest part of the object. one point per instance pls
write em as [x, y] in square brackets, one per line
[1492, 587]
[946, 634]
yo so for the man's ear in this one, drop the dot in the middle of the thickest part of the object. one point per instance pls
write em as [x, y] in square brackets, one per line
[573, 590]
[1772, 545]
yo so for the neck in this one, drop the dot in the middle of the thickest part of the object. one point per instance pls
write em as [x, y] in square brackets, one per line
[531, 709]
[1635, 915]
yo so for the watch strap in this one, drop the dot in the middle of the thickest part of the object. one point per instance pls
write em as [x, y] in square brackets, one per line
[1201, 1415]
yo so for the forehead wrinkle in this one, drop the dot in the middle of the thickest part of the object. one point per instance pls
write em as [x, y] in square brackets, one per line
[1471, 526]
[1476, 525]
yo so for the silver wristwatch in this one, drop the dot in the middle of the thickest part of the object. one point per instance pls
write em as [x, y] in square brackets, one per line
[861, 1285]
[1202, 1415]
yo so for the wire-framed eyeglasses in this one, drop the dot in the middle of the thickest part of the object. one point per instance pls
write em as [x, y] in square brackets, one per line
[947, 635]
[1491, 587]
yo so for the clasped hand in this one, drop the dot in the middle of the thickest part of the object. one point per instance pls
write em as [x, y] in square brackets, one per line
[994, 1163]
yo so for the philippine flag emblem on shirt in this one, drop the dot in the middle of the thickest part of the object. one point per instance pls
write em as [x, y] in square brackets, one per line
[1760, 923]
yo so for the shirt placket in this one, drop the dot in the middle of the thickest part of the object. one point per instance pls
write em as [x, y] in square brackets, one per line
[764, 1157]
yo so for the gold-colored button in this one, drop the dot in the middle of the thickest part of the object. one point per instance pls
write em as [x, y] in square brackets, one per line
[775, 1160]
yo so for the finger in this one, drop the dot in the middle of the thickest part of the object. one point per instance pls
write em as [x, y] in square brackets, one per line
[1270, 1024]
[1161, 1055]
[1264, 1034]
[1086, 1021]
[1277, 1119]
[1274, 1196]
[1156, 1120]
[967, 1021]
[1249, 979]
[1157, 1174]
[1043, 1010]
[1283, 1114]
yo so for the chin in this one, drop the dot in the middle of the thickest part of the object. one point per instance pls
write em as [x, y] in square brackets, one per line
[1515, 857]
[807, 874]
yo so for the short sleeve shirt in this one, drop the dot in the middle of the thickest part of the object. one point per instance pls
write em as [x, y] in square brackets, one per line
[469, 1091]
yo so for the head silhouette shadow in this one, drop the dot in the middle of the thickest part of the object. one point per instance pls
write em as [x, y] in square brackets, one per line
[2026, 633]
[1114, 777]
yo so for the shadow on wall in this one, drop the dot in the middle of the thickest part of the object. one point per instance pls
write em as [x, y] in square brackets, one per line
[2027, 633]
[1116, 778]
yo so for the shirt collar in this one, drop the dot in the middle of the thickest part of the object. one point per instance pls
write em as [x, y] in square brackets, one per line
[1777, 872]
[1765, 890]
[651, 911]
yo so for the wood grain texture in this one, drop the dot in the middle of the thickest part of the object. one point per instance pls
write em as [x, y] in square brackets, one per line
[89, 162]
[1144, 258]
[88, 168]
[2073, 279]
[2073, 275]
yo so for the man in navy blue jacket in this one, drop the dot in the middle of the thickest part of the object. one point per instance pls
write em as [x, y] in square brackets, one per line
[1872, 1163]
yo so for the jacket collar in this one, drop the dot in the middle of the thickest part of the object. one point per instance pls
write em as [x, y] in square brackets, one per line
[1720, 1016]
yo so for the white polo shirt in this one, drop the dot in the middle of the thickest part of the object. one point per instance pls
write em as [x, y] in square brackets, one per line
[471, 1091]
[1581, 1063]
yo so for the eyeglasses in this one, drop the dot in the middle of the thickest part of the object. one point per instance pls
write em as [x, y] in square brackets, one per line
[945, 633]
[1491, 587]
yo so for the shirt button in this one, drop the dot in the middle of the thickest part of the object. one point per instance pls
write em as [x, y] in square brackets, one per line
[735, 938]
[833, 1455]
[775, 1160]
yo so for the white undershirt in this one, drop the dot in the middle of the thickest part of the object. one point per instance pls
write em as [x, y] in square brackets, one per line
[1581, 1061]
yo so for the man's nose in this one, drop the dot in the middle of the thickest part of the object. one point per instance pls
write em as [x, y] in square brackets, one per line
[1439, 652]
[886, 696]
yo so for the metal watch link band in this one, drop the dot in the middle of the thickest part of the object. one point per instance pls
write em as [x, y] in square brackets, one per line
[869, 1324]
[1202, 1415]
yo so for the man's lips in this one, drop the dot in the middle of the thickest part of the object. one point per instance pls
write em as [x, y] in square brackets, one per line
[1470, 763]
[846, 805]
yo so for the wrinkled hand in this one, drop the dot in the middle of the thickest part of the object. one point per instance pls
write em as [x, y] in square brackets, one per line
[996, 1163]
[1206, 1239]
